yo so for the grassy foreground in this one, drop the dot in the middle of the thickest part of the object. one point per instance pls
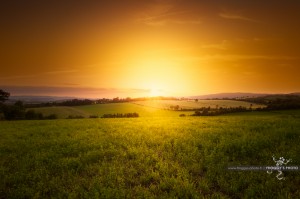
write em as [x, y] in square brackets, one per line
[159, 157]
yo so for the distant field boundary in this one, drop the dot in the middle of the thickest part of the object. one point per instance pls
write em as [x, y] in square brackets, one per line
[149, 106]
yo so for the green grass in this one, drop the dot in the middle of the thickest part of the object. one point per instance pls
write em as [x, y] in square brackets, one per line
[149, 157]
[61, 111]
[165, 104]
[150, 108]
[100, 109]
[143, 111]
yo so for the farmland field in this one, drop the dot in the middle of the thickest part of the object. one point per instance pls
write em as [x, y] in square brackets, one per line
[61, 111]
[149, 108]
[111, 108]
[191, 104]
[149, 157]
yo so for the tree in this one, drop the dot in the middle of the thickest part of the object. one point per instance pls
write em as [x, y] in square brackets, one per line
[14, 112]
[4, 96]
[176, 108]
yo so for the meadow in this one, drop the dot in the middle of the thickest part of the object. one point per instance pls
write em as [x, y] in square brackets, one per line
[192, 104]
[148, 108]
[149, 157]
[111, 108]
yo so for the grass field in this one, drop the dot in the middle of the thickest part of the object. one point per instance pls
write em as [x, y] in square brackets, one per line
[165, 104]
[61, 111]
[149, 157]
[100, 109]
[150, 108]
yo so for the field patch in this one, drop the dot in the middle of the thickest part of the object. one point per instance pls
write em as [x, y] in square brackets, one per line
[101, 109]
[192, 104]
[149, 108]
[61, 111]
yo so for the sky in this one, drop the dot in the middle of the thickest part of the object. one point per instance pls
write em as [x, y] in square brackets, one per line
[134, 48]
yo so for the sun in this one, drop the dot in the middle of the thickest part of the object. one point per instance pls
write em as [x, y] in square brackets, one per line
[158, 75]
[154, 92]
[156, 89]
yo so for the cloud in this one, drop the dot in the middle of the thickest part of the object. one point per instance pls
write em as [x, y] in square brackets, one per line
[17, 77]
[235, 57]
[221, 46]
[162, 19]
[227, 15]
[14, 77]
[265, 57]
[165, 22]
[163, 13]
[60, 72]
[198, 21]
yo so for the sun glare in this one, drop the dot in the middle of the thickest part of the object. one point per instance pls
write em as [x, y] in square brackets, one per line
[154, 92]
[159, 75]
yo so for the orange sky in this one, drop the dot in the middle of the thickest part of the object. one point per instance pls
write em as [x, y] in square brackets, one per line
[149, 47]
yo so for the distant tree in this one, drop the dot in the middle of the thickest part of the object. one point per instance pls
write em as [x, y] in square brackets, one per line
[205, 112]
[4, 96]
[32, 115]
[20, 105]
[116, 99]
[120, 115]
[51, 117]
[72, 117]
[176, 108]
[14, 112]
[196, 100]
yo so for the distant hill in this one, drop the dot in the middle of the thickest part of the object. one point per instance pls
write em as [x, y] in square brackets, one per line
[44, 99]
[278, 101]
[298, 93]
[275, 97]
[229, 95]
[37, 99]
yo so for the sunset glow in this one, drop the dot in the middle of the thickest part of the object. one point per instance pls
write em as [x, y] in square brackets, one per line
[149, 48]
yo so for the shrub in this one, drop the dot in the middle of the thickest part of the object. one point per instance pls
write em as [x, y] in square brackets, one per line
[32, 115]
[120, 115]
[51, 117]
[75, 117]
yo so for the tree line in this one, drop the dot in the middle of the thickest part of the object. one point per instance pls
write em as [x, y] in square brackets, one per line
[82, 102]
[17, 111]
[207, 111]
[274, 102]
[120, 115]
[277, 102]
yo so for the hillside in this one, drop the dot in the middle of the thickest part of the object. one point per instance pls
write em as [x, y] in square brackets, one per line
[192, 104]
[148, 108]
[101, 109]
[228, 95]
